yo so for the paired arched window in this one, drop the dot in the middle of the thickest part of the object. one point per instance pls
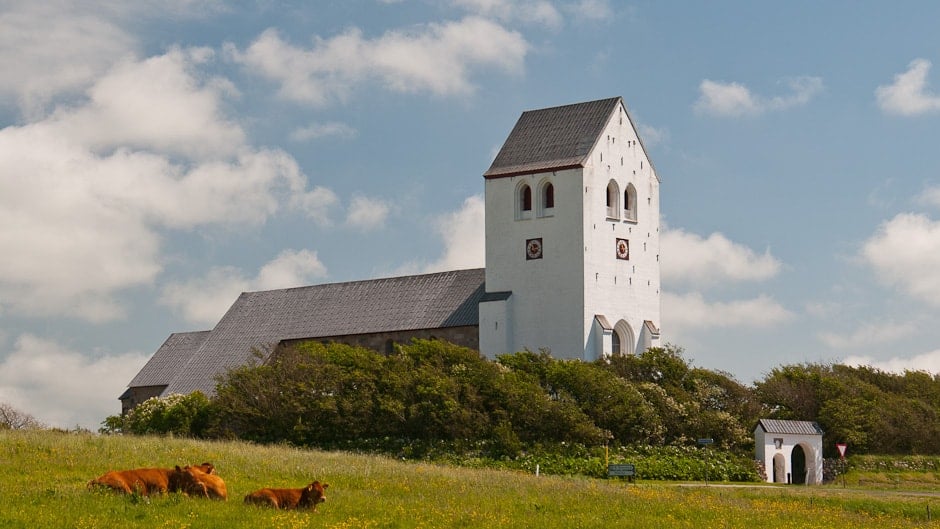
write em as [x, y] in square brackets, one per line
[542, 200]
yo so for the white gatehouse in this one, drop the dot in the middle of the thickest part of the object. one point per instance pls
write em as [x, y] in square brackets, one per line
[791, 451]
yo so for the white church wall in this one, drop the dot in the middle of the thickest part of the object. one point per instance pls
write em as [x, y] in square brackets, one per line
[546, 295]
[495, 327]
[621, 289]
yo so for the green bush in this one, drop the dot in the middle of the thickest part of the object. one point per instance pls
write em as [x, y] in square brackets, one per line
[182, 415]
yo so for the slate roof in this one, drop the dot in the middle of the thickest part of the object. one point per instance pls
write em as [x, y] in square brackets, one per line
[790, 427]
[553, 138]
[163, 365]
[259, 320]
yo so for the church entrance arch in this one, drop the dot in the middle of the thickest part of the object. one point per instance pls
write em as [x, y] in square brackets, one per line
[625, 343]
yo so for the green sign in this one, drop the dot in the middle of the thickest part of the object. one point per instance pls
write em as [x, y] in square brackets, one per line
[621, 470]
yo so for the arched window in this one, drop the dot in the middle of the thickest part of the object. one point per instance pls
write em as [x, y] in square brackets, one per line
[615, 343]
[523, 201]
[613, 200]
[629, 203]
[546, 198]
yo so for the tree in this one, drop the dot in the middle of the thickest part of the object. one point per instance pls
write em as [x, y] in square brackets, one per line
[13, 419]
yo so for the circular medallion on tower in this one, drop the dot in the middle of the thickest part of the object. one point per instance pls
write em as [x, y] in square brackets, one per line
[623, 249]
[533, 248]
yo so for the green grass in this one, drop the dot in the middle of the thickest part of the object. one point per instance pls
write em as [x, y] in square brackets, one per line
[43, 477]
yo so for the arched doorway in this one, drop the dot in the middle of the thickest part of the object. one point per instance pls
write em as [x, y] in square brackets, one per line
[798, 465]
[780, 469]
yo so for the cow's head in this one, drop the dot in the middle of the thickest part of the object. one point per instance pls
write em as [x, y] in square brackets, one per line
[184, 480]
[313, 494]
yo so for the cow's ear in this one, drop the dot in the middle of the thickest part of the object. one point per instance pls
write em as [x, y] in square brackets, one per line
[178, 469]
[325, 485]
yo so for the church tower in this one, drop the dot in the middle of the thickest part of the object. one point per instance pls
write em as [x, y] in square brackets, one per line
[572, 236]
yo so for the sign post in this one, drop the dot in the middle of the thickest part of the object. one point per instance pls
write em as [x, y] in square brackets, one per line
[842, 447]
[705, 442]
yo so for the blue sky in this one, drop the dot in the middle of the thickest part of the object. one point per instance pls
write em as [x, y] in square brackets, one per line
[159, 158]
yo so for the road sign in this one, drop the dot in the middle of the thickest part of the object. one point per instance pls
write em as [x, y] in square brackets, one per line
[706, 441]
[841, 447]
[621, 470]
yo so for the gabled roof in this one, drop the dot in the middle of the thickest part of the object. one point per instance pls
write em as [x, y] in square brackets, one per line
[164, 364]
[553, 138]
[790, 427]
[259, 320]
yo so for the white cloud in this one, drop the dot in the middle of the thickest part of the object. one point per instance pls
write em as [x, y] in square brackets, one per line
[929, 362]
[59, 47]
[688, 258]
[682, 312]
[65, 388]
[464, 236]
[159, 104]
[435, 58]
[736, 100]
[31, 44]
[653, 136]
[290, 269]
[366, 213]
[538, 12]
[316, 204]
[930, 197]
[316, 131]
[590, 9]
[909, 95]
[905, 252]
[868, 335]
[88, 192]
[204, 300]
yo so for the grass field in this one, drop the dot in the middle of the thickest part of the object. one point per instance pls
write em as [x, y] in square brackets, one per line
[43, 478]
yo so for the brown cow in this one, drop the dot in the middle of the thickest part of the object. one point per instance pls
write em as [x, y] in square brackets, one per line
[204, 483]
[306, 498]
[145, 481]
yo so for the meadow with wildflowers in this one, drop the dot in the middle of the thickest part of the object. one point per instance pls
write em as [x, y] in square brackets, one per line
[44, 475]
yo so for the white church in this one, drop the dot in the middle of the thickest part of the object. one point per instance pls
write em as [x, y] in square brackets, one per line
[572, 267]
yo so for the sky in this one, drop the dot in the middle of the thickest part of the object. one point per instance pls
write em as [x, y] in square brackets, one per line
[159, 158]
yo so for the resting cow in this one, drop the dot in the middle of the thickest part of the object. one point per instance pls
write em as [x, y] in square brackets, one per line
[202, 482]
[146, 481]
[306, 498]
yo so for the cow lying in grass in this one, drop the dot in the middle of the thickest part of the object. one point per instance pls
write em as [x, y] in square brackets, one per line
[306, 498]
[148, 481]
[200, 481]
